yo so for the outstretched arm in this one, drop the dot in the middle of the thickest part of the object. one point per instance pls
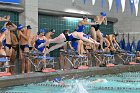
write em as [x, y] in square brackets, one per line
[44, 44]
[87, 23]
[5, 18]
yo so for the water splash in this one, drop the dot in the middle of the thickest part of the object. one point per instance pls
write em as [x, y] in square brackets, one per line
[77, 88]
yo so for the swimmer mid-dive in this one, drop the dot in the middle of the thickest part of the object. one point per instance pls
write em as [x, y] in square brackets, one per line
[63, 38]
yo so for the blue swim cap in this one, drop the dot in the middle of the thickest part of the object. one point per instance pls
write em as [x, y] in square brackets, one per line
[3, 29]
[103, 13]
[57, 79]
[42, 30]
[19, 27]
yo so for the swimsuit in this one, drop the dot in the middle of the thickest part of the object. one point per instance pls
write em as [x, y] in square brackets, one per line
[38, 42]
[80, 28]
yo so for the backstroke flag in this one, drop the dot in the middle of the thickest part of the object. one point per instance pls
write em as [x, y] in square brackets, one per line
[131, 6]
[102, 3]
[138, 45]
[122, 42]
[110, 4]
[128, 46]
[117, 5]
[136, 3]
[73, 1]
[93, 2]
[84, 1]
[133, 46]
[123, 5]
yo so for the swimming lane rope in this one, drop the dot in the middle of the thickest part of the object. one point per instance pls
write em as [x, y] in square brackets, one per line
[94, 87]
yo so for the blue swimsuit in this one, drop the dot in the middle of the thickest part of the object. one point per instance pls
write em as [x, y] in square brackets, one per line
[74, 44]
[38, 42]
[81, 28]
[86, 36]
[4, 42]
[70, 38]
[97, 27]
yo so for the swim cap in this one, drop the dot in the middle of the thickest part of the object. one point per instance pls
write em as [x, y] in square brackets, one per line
[42, 30]
[29, 27]
[19, 27]
[3, 29]
[57, 79]
[103, 13]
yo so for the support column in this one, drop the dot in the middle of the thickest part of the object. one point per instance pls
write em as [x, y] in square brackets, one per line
[30, 14]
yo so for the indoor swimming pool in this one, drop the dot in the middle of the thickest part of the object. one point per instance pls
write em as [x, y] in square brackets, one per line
[119, 83]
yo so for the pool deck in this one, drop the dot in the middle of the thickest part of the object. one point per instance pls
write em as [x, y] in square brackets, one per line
[7, 81]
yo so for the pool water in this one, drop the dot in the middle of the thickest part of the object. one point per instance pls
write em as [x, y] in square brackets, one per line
[119, 83]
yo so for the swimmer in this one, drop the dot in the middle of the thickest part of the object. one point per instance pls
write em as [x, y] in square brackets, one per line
[58, 81]
[99, 80]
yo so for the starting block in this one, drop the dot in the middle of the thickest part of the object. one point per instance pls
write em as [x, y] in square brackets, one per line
[41, 60]
[46, 58]
[130, 57]
[48, 70]
[83, 67]
[5, 74]
[108, 59]
[110, 65]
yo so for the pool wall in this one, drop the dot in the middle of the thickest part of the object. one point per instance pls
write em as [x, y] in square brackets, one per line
[14, 80]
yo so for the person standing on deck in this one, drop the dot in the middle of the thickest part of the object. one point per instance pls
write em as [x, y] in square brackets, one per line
[24, 35]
